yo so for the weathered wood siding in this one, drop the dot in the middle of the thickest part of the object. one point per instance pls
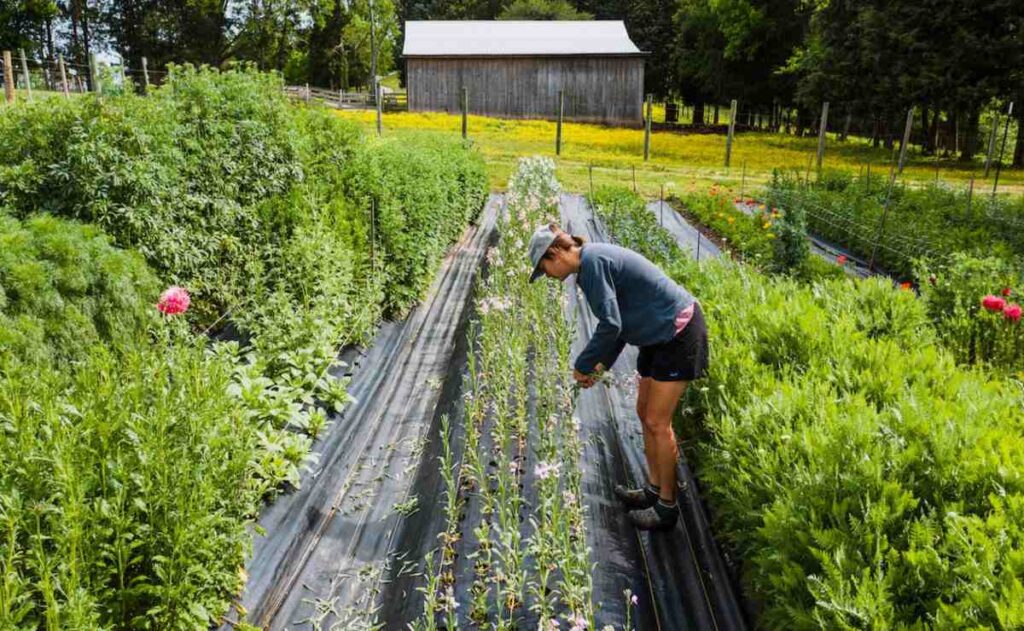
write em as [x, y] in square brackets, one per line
[597, 89]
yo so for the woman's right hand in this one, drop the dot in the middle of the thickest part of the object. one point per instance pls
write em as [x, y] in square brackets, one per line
[585, 381]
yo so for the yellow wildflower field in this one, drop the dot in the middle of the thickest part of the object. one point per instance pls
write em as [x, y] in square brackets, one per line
[679, 161]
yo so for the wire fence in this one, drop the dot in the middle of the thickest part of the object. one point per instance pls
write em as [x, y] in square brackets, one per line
[24, 77]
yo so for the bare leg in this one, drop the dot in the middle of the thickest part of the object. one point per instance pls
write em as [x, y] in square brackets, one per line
[641, 411]
[662, 399]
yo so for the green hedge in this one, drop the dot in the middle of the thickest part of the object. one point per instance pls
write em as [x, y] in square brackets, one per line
[863, 478]
[422, 191]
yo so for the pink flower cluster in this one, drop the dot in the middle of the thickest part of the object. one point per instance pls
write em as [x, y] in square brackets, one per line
[173, 301]
[1011, 311]
[545, 470]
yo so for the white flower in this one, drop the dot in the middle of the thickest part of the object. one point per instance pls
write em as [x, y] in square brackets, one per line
[545, 470]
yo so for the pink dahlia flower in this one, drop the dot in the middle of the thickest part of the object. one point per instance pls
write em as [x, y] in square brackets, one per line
[173, 301]
[993, 303]
[1012, 312]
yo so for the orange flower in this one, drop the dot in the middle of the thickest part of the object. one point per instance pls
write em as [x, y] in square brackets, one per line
[906, 285]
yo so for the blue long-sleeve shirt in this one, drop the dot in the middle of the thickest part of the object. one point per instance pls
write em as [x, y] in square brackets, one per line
[634, 301]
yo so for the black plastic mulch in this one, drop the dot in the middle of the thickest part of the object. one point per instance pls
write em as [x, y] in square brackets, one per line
[333, 546]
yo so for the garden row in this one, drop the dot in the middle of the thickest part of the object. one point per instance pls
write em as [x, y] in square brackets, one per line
[864, 479]
[772, 236]
[513, 553]
[929, 223]
[137, 445]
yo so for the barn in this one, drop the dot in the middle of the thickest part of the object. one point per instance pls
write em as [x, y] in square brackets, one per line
[516, 69]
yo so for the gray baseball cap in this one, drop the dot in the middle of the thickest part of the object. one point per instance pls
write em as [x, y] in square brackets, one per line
[541, 240]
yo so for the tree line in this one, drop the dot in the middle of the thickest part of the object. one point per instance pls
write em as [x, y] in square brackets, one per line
[956, 62]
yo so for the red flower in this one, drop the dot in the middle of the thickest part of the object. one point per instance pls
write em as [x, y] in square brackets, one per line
[906, 285]
[1007, 291]
[993, 303]
[174, 301]
[1012, 312]
[841, 259]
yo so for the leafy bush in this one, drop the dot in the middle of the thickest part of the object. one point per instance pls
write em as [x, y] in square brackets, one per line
[847, 458]
[64, 289]
[864, 479]
[750, 235]
[174, 175]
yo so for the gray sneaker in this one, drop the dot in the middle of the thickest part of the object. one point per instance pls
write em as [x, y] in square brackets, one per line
[657, 517]
[636, 498]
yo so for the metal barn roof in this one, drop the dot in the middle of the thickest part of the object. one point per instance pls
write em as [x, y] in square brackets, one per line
[498, 38]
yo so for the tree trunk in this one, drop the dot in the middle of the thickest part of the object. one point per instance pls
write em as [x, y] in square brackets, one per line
[875, 132]
[799, 122]
[971, 135]
[716, 115]
[698, 113]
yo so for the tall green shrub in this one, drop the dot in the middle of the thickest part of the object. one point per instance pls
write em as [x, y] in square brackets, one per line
[64, 288]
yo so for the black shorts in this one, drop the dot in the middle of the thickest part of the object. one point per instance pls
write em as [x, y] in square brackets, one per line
[683, 358]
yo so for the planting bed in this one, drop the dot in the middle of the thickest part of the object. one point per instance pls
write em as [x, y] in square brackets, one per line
[328, 545]
[685, 234]
[470, 485]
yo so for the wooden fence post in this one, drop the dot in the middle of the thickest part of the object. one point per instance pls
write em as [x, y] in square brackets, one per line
[558, 129]
[991, 144]
[732, 129]
[970, 195]
[906, 140]
[822, 128]
[94, 74]
[661, 207]
[465, 111]
[1002, 149]
[8, 77]
[378, 97]
[24, 72]
[743, 179]
[145, 73]
[647, 127]
[892, 182]
[63, 76]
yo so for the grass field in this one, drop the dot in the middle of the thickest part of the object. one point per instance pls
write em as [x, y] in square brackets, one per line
[681, 162]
